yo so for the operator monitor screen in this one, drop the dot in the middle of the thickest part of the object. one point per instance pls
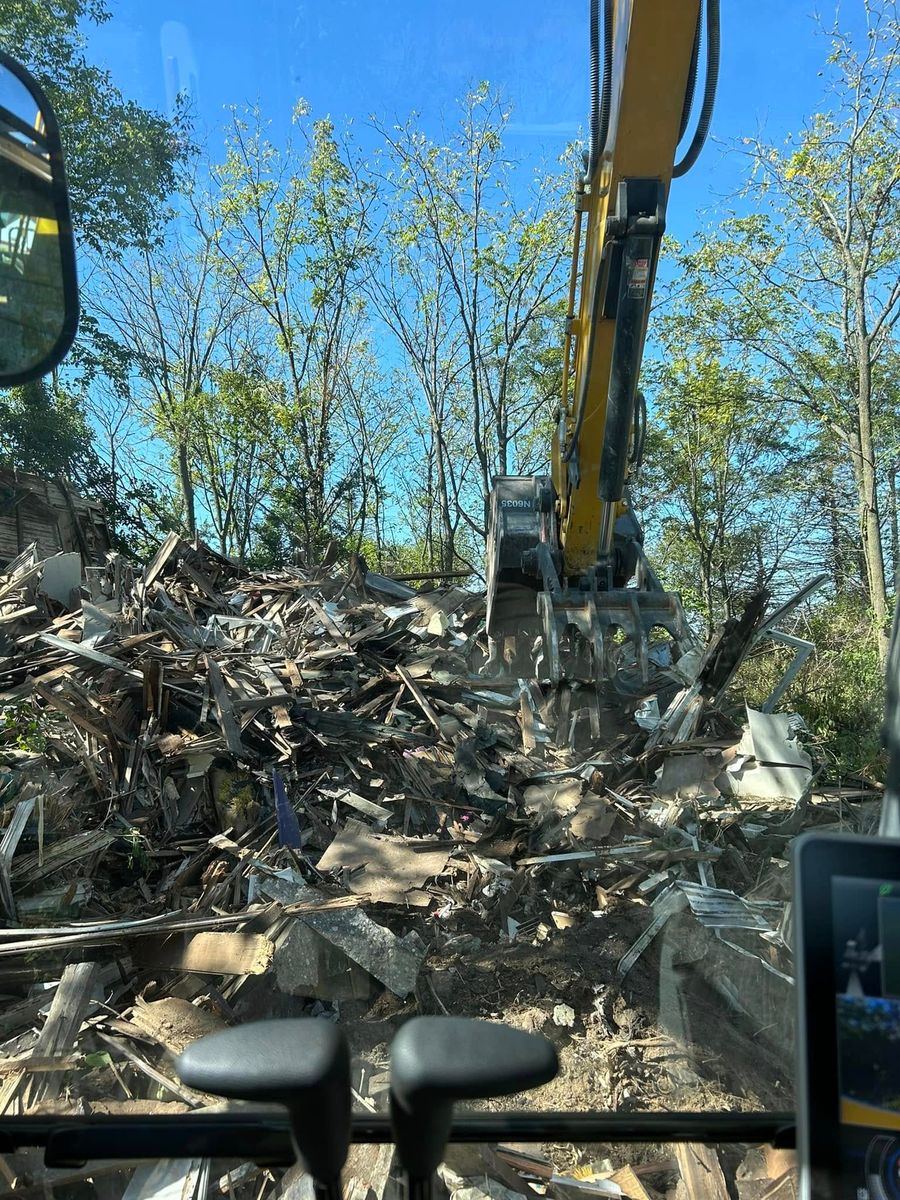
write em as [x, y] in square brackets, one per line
[866, 926]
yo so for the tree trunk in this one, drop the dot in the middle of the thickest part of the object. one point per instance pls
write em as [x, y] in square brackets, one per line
[895, 527]
[448, 548]
[868, 498]
[187, 490]
[829, 502]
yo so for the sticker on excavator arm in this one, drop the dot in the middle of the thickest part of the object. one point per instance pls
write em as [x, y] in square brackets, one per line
[638, 278]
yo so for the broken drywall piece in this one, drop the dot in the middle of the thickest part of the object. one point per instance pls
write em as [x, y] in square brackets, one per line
[647, 715]
[688, 776]
[306, 964]
[393, 872]
[61, 576]
[555, 797]
[771, 739]
[593, 820]
[97, 622]
[756, 781]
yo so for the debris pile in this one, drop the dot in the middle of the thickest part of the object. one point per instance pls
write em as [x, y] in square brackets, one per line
[228, 795]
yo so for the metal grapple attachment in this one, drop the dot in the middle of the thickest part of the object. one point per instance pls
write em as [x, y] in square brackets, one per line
[594, 635]
[538, 627]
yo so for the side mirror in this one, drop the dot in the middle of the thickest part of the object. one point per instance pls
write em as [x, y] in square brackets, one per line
[38, 283]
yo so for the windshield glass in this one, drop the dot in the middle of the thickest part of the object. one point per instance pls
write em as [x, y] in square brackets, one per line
[259, 754]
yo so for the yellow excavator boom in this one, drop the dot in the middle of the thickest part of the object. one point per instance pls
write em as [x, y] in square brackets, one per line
[563, 549]
[653, 42]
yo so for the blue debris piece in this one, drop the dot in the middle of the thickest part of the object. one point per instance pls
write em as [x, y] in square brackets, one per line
[288, 825]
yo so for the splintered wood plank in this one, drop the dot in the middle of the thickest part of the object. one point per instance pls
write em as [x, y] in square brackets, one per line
[526, 717]
[72, 1002]
[700, 1172]
[19, 614]
[229, 953]
[94, 656]
[632, 1188]
[11, 838]
[327, 620]
[161, 557]
[275, 688]
[293, 673]
[202, 582]
[69, 710]
[60, 854]
[228, 722]
[419, 697]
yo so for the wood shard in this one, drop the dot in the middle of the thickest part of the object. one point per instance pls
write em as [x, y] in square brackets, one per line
[230, 953]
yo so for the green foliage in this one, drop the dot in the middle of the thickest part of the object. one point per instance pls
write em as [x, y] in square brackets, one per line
[23, 726]
[44, 430]
[120, 158]
[839, 693]
[806, 285]
[138, 855]
[121, 164]
[473, 271]
[722, 467]
[294, 237]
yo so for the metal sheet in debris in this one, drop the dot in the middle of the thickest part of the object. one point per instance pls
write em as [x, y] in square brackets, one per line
[719, 908]
[772, 740]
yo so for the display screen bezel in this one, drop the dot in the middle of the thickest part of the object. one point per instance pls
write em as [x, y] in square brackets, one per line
[818, 859]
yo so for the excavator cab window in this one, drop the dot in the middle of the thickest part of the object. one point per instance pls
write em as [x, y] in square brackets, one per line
[375, 816]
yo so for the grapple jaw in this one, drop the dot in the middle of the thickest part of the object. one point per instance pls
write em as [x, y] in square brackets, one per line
[538, 627]
[592, 635]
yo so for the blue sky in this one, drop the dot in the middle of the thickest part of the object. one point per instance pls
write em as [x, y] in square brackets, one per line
[350, 58]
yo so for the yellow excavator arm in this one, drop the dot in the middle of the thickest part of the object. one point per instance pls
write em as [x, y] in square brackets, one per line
[563, 549]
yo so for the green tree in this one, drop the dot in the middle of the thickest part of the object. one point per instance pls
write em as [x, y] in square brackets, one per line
[171, 314]
[230, 445]
[120, 157]
[720, 478]
[120, 165]
[810, 283]
[475, 270]
[295, 239]
[43, 430]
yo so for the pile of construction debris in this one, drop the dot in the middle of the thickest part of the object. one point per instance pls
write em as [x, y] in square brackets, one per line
[229, 795]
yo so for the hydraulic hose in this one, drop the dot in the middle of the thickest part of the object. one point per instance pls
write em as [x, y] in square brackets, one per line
[600, 92]
[692, 78]
[606, 93]
[593, 150]
[599, 131]
[596, 309]
[640, 434]
[709, 91]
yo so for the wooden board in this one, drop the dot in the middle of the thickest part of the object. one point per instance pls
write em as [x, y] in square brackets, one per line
[231, 953]
[700, 1172]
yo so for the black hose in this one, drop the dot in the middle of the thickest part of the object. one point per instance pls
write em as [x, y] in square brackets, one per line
[606, 93]
[640, 433]
[593, 146]
[599, 132]
[709, 91]
[692, 77]
[600, 95]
